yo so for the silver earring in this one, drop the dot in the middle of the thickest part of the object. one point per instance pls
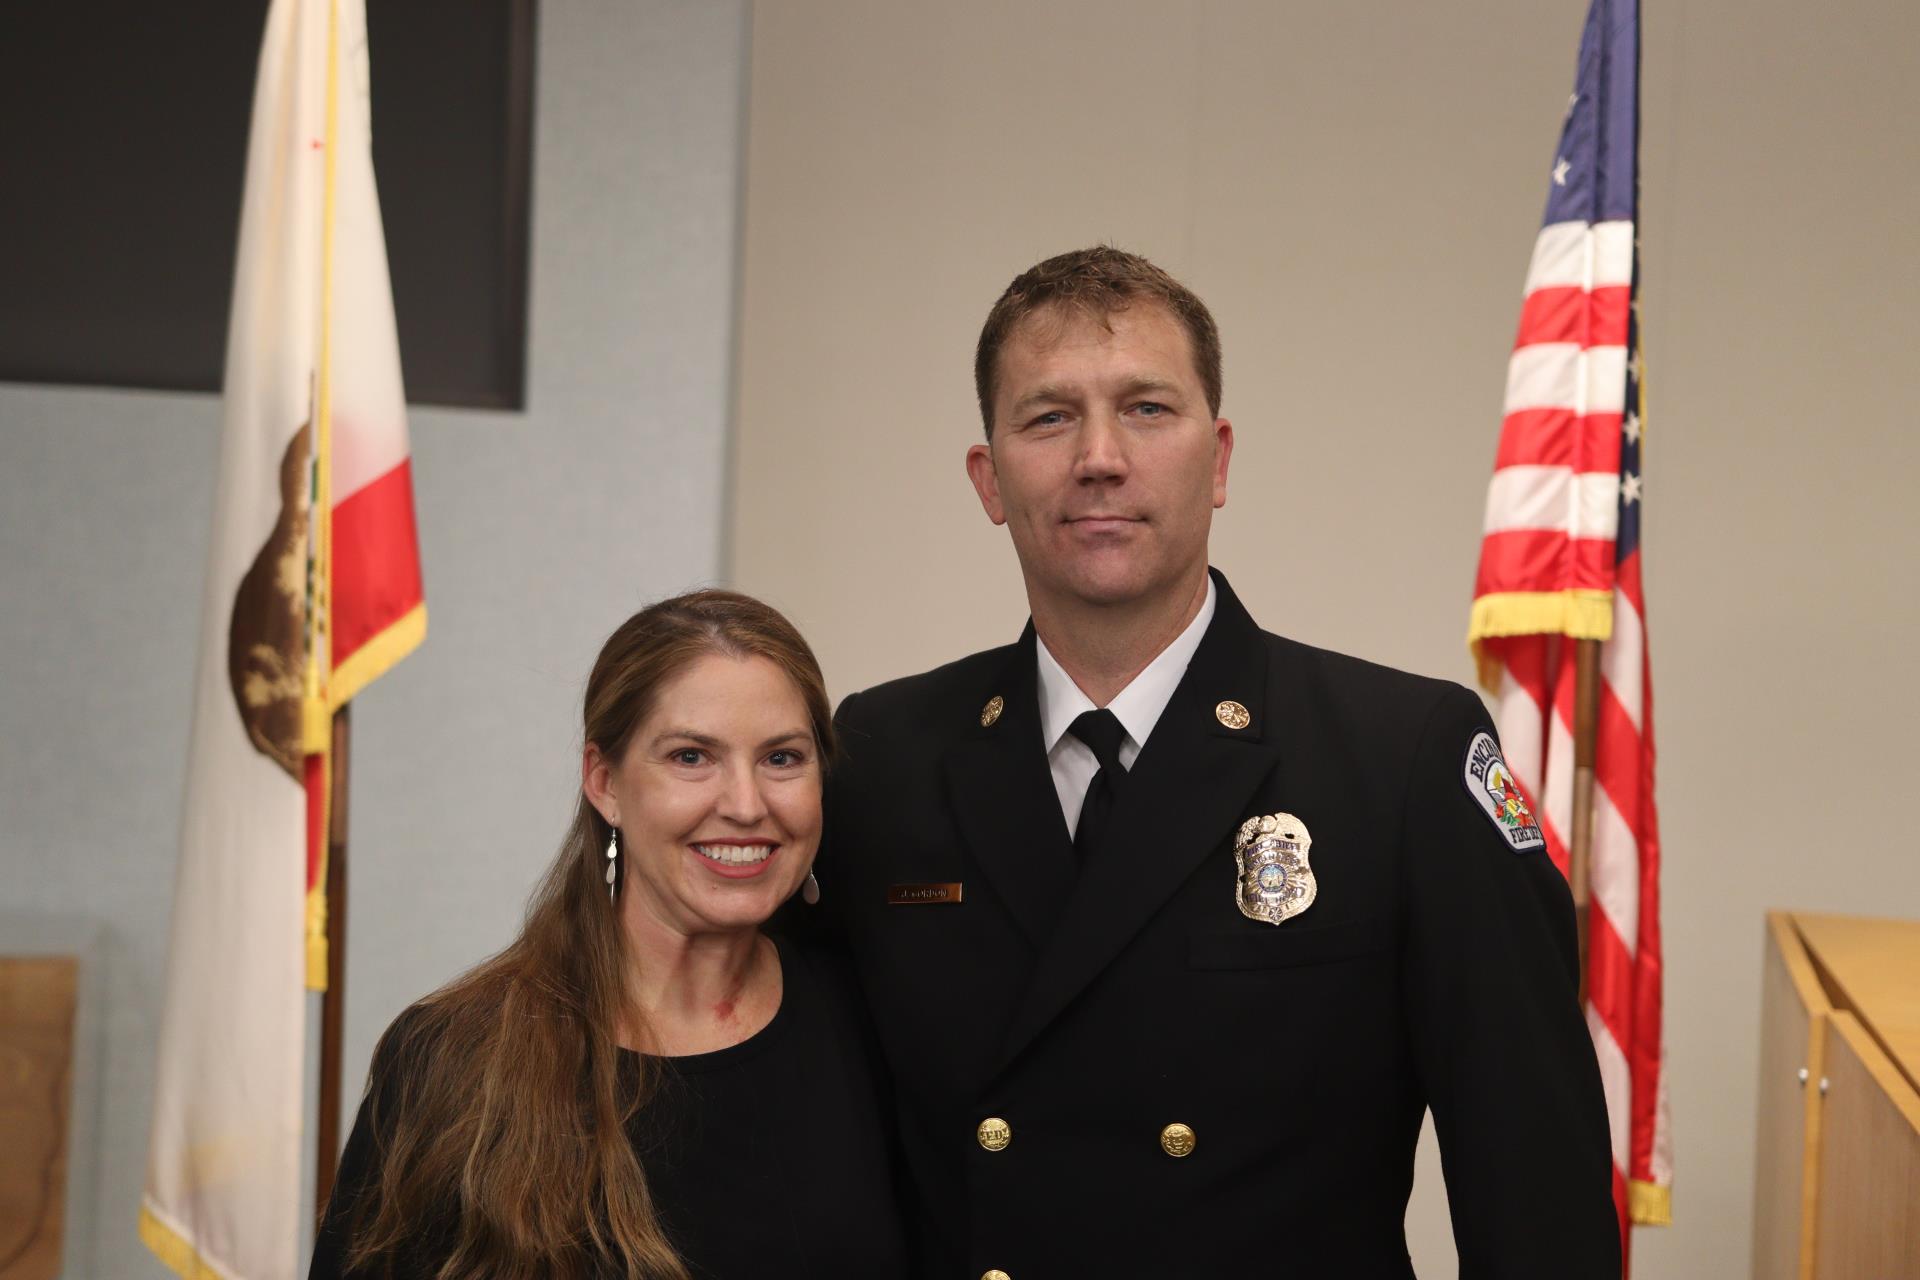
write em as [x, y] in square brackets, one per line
[613, 864]
[810, 890]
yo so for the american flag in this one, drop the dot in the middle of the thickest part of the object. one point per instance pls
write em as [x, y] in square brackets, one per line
[1560, 562]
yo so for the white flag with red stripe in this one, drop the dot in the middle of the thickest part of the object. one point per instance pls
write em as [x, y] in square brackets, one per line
[1560, 563]
[313, 589]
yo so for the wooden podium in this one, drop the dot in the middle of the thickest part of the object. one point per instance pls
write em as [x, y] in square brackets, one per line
[1836, 1191]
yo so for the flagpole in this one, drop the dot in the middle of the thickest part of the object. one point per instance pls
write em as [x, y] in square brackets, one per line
[1586, 731]
[333, 1000]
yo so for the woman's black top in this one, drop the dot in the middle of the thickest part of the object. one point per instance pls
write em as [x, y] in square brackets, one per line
[769, 1158]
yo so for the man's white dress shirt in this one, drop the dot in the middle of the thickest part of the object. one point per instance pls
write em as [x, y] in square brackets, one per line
[1138, 708]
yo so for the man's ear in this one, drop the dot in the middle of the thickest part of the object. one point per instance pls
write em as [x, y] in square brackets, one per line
[1223, 454]
[986, 481]
[596, 779]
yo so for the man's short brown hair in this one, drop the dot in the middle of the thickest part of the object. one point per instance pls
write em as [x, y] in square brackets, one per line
[1095, 282]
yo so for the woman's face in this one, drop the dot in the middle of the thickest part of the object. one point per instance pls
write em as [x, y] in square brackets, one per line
[717, 798]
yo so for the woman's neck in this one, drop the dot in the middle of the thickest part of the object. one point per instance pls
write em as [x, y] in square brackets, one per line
[699, 992]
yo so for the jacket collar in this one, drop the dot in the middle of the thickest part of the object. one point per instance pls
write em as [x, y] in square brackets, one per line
[1001, 793]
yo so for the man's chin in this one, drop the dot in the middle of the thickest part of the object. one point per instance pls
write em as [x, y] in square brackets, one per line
[1107, 587]
[1105, 578]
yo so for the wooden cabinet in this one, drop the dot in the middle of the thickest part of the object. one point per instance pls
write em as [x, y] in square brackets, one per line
[37, 996]
[1837, 1161]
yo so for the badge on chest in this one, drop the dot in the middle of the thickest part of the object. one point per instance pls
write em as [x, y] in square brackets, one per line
[1275, 882]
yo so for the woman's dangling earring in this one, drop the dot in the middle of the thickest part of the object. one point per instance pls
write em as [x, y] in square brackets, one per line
[613, 865]
[810, 890]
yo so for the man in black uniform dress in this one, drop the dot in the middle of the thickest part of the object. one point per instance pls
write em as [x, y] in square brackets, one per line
[1172, 928]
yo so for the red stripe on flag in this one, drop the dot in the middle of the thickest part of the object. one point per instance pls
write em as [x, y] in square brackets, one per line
[376, 561]
[1526, 661]
[1609, 976]
[1542, 560]
[1571, 314]
[1616, 761]
[1556, 438]
[1644, 1056]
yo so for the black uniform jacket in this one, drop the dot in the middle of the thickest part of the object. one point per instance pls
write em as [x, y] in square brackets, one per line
[1089, 1010]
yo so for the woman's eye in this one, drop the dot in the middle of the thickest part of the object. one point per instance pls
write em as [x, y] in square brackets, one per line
[784, 759]
[689, 756]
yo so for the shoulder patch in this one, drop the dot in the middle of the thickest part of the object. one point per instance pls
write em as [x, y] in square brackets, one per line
[1491, 784]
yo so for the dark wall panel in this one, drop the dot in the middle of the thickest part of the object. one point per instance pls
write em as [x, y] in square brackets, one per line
[124, 128]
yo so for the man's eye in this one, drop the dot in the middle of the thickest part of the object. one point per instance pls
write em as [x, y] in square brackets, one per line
[1149, 409]
[1051, 418]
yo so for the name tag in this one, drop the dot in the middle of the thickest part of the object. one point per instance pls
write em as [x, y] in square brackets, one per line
[913, 895]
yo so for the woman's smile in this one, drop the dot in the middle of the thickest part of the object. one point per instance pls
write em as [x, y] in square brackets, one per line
[736, 859]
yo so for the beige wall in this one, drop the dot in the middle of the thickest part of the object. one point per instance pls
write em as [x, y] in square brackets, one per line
[1354, 188]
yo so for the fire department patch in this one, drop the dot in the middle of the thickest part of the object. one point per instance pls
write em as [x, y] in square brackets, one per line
[1491, 784]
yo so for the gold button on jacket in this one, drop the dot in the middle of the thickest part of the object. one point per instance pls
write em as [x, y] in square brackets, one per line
[994, 1133]
[1177, 1140]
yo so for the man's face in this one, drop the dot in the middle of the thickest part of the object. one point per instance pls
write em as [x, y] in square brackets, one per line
[1105, 464]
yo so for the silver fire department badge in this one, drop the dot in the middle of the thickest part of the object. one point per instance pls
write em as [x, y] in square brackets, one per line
[1275, 883]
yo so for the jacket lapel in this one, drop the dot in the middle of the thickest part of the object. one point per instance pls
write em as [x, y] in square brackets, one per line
[1185, 794]
[1004, 802]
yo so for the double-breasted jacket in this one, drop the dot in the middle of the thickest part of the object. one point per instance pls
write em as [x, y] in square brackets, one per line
[1113, 1069]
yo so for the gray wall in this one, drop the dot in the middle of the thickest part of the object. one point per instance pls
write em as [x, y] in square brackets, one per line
[539, 531]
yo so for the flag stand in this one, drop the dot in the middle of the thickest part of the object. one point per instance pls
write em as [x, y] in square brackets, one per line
[1586, 731]
[333, 1000]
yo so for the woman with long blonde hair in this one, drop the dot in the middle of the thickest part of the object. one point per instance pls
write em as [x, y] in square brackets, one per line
[644, 1083]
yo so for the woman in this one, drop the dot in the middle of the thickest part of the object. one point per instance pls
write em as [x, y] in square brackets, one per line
[644, 1084]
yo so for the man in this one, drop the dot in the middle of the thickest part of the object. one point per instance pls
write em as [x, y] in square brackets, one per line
[1172, 928]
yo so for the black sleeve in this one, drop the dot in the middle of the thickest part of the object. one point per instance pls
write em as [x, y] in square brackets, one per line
[1492, 981]
[330, 1242]
[387, 1078]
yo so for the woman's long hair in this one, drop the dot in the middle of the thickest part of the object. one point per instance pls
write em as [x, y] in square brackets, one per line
[498, 1102]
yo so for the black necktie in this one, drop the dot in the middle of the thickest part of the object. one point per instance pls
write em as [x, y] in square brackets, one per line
[1100, 730]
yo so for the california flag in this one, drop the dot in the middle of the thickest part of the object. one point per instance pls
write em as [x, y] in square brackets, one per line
[313, 589]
